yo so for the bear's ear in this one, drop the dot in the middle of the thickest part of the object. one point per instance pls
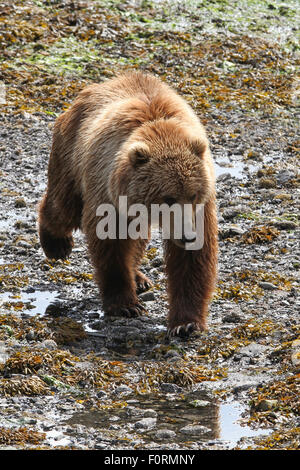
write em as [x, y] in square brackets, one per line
[139, 155]
[198, 147]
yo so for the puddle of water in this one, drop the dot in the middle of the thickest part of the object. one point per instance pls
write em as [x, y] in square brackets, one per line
[237, 169]
[89, 326]
[4, 225]
[210, 421]
[34, 302]
[57, 438]
[10, 220]
[230, 429]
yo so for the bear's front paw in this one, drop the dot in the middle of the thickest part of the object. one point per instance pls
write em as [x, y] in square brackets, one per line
[129, 311]
[56, 248]
[183, 331]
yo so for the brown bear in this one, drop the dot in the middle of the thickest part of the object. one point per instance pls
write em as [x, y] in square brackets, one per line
[132, 136]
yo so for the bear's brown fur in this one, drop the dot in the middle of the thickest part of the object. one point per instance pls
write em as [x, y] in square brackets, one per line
[134, 136]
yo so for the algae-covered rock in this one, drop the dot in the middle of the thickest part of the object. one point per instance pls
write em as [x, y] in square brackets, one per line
[65, 330]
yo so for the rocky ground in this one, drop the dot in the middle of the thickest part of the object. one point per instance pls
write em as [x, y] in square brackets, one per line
[72, 378]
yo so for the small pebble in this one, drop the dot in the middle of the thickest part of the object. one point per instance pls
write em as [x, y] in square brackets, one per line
[165, 434]
[267, 286]
[147, 296]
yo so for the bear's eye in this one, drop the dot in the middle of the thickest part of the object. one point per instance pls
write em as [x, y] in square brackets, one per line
[170, 201]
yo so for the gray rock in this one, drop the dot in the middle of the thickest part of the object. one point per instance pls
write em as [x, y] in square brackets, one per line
[267, 286]
[23, 244]
[231, 317]
[131, 411]
[194, 430]
[240, 382]
[224, 177]
[30, 335]
[172, 354]
[285, 224]
[145, 424]
[48, 344]
[266, 405]
[253, 350]
[123, 390]
[230, 231]
[284, 176]
[150, 413]
[147, 296]
[242, 387]
[101, 394]
[100, 445]
[295, 357]
[165, 434]
[199, 403]
[229, 214]
[170, 388]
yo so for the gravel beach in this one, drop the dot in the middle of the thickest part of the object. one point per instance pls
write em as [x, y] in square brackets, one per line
[71, 378]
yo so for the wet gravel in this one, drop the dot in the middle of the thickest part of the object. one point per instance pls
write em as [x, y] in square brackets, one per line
[251, 343]
[69, 377]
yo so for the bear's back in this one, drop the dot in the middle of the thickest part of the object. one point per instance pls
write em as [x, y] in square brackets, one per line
[105, 115]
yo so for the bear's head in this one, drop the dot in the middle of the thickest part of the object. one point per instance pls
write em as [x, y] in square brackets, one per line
[163, 162]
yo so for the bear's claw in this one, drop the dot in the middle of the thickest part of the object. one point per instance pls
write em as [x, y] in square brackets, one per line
[142, 282]
[143, 286]
[129, 312]
[183, 331]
